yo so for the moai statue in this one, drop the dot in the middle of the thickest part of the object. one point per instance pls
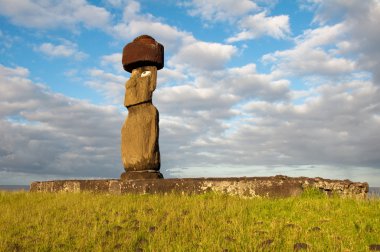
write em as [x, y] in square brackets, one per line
[139, 135]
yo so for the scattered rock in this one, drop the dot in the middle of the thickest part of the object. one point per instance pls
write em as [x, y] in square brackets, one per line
[149, 210]
[368, 228]
[135, 225]
[299, 246]
[152, 229]
[261, 232]
[374, 247]
[290, 225]
[135, 228]
[142, 241]
[315, 229]
[117, 228]
[14, 247]
[266, 243]
[229, 238]
[33, 227]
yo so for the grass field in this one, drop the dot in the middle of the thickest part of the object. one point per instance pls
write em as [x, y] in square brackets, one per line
[210, 222]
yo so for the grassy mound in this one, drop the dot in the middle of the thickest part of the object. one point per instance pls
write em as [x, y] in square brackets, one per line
[210, 222]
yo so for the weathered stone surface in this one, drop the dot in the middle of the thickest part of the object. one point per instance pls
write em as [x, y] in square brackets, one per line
[143, 51]
[140, 86]
[139, 139]
[139, 135]
[277, 186]
[141, 175]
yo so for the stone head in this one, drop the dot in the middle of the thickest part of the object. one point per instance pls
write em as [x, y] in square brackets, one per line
[140, 86]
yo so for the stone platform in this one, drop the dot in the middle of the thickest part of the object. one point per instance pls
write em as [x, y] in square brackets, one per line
[277, 186]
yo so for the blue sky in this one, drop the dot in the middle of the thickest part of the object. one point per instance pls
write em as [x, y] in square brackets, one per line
[249, 88]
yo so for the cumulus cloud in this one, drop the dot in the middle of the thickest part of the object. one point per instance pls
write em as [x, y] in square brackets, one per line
[65, 50]
[53, 14]
[6, 41]
[182, 49]
[337, 128]
[244, 15]
[214, 120]
[113, 61]
[254, 26]
[220, 10]
[203, 55]
[359, 21]
[170, 36]
[52, 135]
[313, 55]
[111, 86]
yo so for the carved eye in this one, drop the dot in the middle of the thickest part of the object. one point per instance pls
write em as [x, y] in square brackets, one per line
[145, 73]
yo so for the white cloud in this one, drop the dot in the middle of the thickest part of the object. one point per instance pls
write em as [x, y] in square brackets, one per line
[222, 10]
[113, 60]
[168, 76]
[111, 86]
[116, 3]
[6, 41]
[313, 54]
[242, 14]
[254, 26]
[52, 135]
[66, 50]
[336, 127]
[246, 82]
[321, 36]
[303, 61]
[359, 24]
[237, 119]
[165, 34]
[131, 10]
[203, 55]
[53, 14]
[182, 49]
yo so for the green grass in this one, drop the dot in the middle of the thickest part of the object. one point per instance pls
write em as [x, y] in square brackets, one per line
[210, 222]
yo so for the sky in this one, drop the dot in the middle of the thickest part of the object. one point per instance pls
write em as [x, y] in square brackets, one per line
[249, 88]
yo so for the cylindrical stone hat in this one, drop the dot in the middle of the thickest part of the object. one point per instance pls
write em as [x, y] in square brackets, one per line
[143, 51]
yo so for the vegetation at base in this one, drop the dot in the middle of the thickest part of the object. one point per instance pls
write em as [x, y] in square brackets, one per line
[209, 222]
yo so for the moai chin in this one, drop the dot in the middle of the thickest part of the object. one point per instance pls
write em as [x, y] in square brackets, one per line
[139, 135]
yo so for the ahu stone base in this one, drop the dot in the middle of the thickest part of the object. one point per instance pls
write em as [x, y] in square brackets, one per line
[277, 186]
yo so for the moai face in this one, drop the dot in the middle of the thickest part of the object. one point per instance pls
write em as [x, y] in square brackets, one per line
[140, 86]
